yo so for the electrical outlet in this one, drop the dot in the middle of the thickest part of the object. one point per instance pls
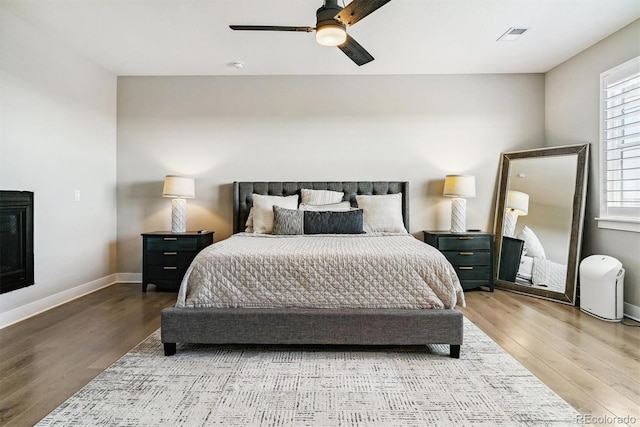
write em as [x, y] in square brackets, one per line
[76, 196]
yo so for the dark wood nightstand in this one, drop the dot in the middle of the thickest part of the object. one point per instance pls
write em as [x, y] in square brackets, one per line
[166, 256]
[510, 258]
[470, 253]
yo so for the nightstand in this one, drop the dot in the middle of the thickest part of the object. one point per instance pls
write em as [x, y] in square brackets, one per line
[166, 256]
[510, 258]
[470, 253]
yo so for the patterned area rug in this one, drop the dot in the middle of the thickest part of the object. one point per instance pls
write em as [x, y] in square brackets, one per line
[316, 386]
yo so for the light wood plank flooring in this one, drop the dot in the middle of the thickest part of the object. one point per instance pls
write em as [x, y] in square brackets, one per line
[593, 365]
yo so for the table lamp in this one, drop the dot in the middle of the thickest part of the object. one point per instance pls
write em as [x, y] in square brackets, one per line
[517, 205]
[179, 189]
[459, 187]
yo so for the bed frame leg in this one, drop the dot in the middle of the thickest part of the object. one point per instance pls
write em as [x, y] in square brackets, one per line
[454, 351]
[170, 348]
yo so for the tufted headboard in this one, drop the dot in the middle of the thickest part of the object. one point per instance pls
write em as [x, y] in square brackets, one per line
[242, 194]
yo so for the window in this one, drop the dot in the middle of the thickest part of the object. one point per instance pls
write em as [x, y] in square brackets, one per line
[620, 147]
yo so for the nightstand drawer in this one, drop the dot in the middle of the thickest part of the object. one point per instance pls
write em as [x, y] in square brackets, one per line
[468, 257]
[462, 243]
[481, 272]
[172, 243]
[170, 258]
[167, 273]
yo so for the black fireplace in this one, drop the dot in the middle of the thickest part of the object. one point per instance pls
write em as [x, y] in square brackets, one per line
[16, 240]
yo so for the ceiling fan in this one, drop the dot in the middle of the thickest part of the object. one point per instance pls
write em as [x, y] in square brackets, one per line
[331, 23]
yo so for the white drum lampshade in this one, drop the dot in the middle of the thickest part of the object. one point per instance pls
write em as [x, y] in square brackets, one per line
[179, 189]
[517, 205]
[459, 187]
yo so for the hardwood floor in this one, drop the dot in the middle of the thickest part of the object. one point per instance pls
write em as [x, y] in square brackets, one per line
[593, 365]
[47, 358]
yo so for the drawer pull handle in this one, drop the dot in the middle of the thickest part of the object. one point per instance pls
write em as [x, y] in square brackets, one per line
[465, 238]
[466, 253]
[171, 253]
[170, 238]
[170, 268]
[465, 268]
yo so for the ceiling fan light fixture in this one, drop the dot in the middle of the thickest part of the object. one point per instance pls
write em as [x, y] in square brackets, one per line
[332, 34]
[331, 26]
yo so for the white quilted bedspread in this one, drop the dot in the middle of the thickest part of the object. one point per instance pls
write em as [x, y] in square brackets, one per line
[327, 271]
[549, 274]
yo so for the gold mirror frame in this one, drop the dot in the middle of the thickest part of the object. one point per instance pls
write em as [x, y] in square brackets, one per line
[577, 218]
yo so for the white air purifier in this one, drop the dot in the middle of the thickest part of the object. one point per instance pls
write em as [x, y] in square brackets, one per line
[602, 287]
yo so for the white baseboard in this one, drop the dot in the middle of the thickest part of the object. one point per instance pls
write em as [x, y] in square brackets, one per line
[129, 277]
[632, 311]
[29, 310]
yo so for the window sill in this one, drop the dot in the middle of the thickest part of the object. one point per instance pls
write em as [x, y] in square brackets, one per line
[619, 224]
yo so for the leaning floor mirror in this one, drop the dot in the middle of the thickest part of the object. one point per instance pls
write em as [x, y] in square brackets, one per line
[538, 223]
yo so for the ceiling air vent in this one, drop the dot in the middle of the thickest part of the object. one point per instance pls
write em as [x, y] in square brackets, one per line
[512, 34]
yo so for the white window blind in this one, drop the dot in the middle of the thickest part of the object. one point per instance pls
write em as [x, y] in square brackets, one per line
[620, 143]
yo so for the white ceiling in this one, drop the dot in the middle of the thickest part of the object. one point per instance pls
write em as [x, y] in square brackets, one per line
[192, 37]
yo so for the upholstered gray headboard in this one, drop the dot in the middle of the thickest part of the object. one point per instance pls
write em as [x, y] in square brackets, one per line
[242, 194]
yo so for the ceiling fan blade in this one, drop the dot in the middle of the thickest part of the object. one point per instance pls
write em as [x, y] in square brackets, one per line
[358, 9]
[357, 53]
[270, 28]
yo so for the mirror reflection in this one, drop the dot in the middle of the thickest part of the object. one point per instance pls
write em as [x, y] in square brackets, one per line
[539, 215]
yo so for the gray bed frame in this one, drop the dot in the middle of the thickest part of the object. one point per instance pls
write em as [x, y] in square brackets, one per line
[311, 326]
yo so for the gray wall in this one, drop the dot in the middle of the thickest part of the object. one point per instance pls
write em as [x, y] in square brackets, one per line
[58, 135]
[572, 116]
[221, 129]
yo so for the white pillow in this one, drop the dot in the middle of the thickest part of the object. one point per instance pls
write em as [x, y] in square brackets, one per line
[335, 207]
[320, 197]
[382, 213]
[263, 210]
[249, 223]
[532, 244]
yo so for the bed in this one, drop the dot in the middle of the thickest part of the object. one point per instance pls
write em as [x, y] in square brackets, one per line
[228, 313]
[523, 261]
[542, 273]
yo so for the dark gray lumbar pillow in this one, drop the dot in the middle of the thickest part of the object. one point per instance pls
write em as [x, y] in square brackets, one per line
[330, 222]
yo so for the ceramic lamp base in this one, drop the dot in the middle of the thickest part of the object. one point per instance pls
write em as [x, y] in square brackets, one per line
[509, 225]
[458, 215]
[178, 215]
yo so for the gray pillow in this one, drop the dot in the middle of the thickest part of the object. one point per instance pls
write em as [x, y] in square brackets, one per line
[287, 221]
[331, 222]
